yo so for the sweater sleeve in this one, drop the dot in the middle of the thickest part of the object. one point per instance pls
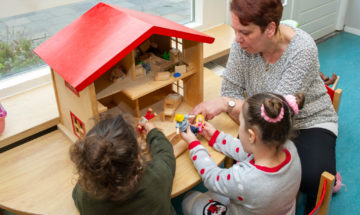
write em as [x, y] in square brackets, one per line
[228, 182]
[233, 78]
[161, 150]
[228, 145]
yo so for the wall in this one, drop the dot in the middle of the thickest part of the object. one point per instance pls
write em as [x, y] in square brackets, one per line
[352, 20]
[318, 18]
[209, 13]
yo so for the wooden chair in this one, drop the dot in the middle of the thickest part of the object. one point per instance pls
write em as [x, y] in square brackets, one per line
[324, 194]
[171, 103]
[335, 94]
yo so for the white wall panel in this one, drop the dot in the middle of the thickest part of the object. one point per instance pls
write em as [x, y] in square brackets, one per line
[318, 18]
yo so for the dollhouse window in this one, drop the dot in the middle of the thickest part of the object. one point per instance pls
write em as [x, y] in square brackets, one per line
[78, 126]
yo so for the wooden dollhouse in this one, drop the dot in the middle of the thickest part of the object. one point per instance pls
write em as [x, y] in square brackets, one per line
[114, 57]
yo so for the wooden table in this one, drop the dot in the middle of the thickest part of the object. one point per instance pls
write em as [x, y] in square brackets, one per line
[23, 117]
[38, 177]
[224, 36]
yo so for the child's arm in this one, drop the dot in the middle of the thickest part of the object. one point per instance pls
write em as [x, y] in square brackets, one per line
[224, 143]
[160, 148]
[228, 182]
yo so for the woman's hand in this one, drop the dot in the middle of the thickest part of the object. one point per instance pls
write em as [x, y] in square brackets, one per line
[210, 108]
[208, 131]
[188, 136]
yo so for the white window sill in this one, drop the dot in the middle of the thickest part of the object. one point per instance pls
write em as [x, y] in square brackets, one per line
[25, 81]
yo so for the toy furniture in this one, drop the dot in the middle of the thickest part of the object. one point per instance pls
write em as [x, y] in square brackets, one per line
[171, 103]
[27, 181]
[335, 94]
[109, 38]
[324, 194]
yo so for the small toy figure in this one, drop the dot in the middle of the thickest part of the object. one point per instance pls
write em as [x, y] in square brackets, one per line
[166, 55]
[200, 122]
[146, 66]
[149, 115]
[328, 81]
[182, 123]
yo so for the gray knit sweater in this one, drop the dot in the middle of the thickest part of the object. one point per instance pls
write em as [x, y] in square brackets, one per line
[295, 71]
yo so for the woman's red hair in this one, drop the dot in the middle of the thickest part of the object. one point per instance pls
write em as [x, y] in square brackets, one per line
[258, 12]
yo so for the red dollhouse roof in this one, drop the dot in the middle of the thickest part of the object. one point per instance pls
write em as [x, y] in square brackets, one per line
[89, 46]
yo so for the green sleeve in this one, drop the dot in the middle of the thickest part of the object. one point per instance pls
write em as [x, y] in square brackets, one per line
[161, 150]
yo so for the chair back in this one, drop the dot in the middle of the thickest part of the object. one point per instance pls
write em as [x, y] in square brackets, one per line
[335, 96]
[324, 194]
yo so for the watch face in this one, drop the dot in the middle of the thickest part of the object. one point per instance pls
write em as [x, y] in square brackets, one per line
[231, 103]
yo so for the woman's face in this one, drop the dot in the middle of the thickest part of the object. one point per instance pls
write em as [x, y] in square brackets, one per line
[250, 37]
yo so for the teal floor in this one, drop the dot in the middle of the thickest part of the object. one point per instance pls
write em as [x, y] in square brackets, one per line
[340, 55]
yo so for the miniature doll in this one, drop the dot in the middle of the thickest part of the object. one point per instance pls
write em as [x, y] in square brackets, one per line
[149, 115]
[182, 123]
[200, 122]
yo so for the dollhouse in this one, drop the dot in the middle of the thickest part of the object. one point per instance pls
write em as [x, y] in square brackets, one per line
[114, 57]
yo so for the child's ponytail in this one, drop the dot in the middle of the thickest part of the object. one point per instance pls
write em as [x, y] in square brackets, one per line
[273, 114]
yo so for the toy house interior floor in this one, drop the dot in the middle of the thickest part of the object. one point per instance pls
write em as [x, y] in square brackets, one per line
[341, 55]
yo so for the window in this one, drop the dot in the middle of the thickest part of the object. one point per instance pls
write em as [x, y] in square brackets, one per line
[25, 26]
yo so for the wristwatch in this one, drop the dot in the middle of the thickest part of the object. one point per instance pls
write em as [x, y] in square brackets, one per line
[230, 105]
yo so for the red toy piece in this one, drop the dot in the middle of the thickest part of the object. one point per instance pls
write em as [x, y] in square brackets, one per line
[149, 115]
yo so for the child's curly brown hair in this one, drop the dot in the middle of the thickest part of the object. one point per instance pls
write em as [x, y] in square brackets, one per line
[109, 159]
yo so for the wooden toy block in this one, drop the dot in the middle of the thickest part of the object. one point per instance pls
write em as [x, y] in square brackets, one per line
[181, 69]
[161, 76]
[179, 144]
[140, 71]
[159, 64]
[190, 67]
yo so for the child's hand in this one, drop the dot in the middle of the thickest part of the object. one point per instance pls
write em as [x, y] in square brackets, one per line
[148, 126]
[188, 136]
[208, 131]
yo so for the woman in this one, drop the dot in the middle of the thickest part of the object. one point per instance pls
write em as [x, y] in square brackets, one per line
[270, 57]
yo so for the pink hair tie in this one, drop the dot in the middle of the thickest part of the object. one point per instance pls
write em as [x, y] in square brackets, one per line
[269, 119]
[291, 100]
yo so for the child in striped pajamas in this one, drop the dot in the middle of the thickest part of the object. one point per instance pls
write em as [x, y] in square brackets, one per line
[266, 178]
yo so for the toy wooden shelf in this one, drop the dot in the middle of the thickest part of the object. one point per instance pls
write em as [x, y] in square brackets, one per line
[101, 107]
[224, 36]
[135, 89]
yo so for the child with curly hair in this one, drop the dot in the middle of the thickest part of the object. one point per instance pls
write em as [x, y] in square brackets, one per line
[115, 177]
[266, 178]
